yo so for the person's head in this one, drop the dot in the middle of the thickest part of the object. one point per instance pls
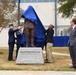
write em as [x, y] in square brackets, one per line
[51, 26]
[11, 26]
[73, 22]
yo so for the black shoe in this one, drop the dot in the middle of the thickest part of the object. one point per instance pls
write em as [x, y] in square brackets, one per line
[11, 60]
[47, 62]
[73, 67]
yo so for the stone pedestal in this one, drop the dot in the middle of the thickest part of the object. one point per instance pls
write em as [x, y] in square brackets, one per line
[30, 55]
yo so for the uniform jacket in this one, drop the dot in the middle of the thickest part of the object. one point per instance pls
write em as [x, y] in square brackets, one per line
[11, 35]
[19, 37]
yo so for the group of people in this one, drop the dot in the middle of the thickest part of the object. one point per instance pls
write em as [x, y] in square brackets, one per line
[48, 42]
[34, 29]
[19, 35]
[12, 40]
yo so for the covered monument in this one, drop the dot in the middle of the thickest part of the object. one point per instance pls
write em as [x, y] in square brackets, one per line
[39, 36]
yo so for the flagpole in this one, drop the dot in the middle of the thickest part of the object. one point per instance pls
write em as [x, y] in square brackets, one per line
[55, 17]
[18, 12]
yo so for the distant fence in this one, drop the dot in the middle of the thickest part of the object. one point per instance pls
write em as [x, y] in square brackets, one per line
[60, 41]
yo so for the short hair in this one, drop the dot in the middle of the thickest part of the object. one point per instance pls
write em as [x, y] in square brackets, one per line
[74, 20]
[51, 25]
[10, 25]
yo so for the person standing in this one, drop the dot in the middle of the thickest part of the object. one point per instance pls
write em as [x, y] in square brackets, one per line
[11, 41]
[19, 37]
[72, 43]
[49, 43]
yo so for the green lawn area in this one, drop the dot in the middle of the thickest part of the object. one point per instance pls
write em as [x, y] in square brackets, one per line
[61, 63]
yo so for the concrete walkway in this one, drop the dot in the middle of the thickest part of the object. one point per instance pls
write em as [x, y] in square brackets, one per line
[57, 53]
[62, 54]
[35, 73]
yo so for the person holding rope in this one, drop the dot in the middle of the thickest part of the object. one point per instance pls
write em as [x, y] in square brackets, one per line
[49, 43]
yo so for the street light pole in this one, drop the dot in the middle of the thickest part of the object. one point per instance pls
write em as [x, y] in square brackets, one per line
[18, 12]
[55, 17]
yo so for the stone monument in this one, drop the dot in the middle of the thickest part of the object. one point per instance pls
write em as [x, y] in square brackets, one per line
[30, 55]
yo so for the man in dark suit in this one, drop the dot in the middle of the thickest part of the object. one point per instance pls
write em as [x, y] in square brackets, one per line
[72, 43]
[11, 41]
[49, 43]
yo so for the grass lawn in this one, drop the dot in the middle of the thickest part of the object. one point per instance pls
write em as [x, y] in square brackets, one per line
[61, 63]
[61, 49]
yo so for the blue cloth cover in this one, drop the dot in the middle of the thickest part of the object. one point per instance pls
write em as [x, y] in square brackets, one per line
[30, 14]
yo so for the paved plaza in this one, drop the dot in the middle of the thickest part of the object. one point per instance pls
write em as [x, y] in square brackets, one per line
[36, 73]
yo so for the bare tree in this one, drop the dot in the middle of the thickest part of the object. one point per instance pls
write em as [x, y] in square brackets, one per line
[8, 12]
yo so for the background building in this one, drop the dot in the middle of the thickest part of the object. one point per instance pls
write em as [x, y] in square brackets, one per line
[46, 11]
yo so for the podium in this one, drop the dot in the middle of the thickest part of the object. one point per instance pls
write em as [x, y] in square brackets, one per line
[30, 55]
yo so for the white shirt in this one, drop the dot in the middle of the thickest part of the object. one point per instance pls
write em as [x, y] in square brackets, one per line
[74, 26]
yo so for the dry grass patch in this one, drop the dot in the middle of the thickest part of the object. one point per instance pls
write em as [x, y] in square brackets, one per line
[61, 49]
[60, 63]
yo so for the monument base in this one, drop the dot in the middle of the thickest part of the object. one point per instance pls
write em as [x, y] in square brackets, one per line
[30, 55]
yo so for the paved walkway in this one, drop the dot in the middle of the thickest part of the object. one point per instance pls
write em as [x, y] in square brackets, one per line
[35, 73]
[57, 53]
[62, 54]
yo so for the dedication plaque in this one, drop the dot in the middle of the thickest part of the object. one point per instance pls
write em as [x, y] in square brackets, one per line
[30, 55]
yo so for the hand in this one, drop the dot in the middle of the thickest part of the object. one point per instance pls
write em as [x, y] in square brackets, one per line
[19, 27]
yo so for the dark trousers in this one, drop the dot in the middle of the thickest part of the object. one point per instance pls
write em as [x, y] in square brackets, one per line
[72, 50]
[18, 46]
[10, 52]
